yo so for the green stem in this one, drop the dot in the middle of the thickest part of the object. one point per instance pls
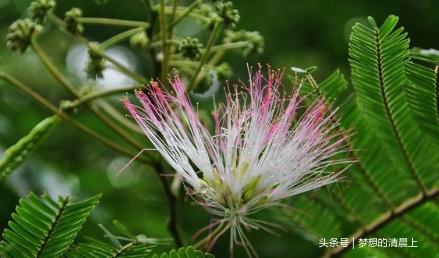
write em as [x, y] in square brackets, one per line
[185, 13]
[189, 63]
[185, 63]
[159, 43]
[120, 37]
[172, 201]
[220, 51]
[174, 10]
[122, 68]
[216, 58]
[163, 29]
[118, 117]
[152, 17]
[100, 94]
[170, 32]
[52, 68]
[112, 22]
[228, 46]
[181, 13]
[210, 42]
[44, 102]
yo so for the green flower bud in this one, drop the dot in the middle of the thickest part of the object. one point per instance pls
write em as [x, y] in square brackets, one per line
[209, 11]
[71, 19]
[229, 15]
[254, 39]
[39, 9]
[139, 40]
[190, 48]
[20, 33]
[96, 63]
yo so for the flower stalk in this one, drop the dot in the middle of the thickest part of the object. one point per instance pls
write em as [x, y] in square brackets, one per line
[120, 37]
[212, 38]
[112, 22]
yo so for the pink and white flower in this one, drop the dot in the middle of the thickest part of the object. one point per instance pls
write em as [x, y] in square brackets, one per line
[261, 152]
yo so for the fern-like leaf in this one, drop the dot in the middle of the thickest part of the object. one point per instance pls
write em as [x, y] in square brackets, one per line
[393, 182]
[16, 154]
[378, 60]
[43, 228]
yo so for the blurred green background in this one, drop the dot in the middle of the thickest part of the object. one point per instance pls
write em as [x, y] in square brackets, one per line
[297, 33]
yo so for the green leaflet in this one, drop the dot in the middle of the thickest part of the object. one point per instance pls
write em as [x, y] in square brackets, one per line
[42, 227]
[17, 153]
[422, 90]
[184, 252]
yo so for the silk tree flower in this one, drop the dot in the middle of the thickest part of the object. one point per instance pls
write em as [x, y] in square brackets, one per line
[261, 152]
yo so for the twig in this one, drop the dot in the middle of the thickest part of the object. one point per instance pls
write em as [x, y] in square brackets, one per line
[383, 220]
[189, 9]
[172, 203]
[100, 94]
[164, 32]
[112, 22]
[119, 37]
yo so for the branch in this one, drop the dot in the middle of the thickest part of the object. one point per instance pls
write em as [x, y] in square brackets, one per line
[164, 36]
[100, 94]
[119, 37]
[44, 102]
[383, 220]
[172, 202]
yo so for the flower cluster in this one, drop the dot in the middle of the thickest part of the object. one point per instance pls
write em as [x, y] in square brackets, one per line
[190, 48]
[71, 19]
[254, 40]
[96, 63]
[40, 8]
[20, 33]
[262, 151]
